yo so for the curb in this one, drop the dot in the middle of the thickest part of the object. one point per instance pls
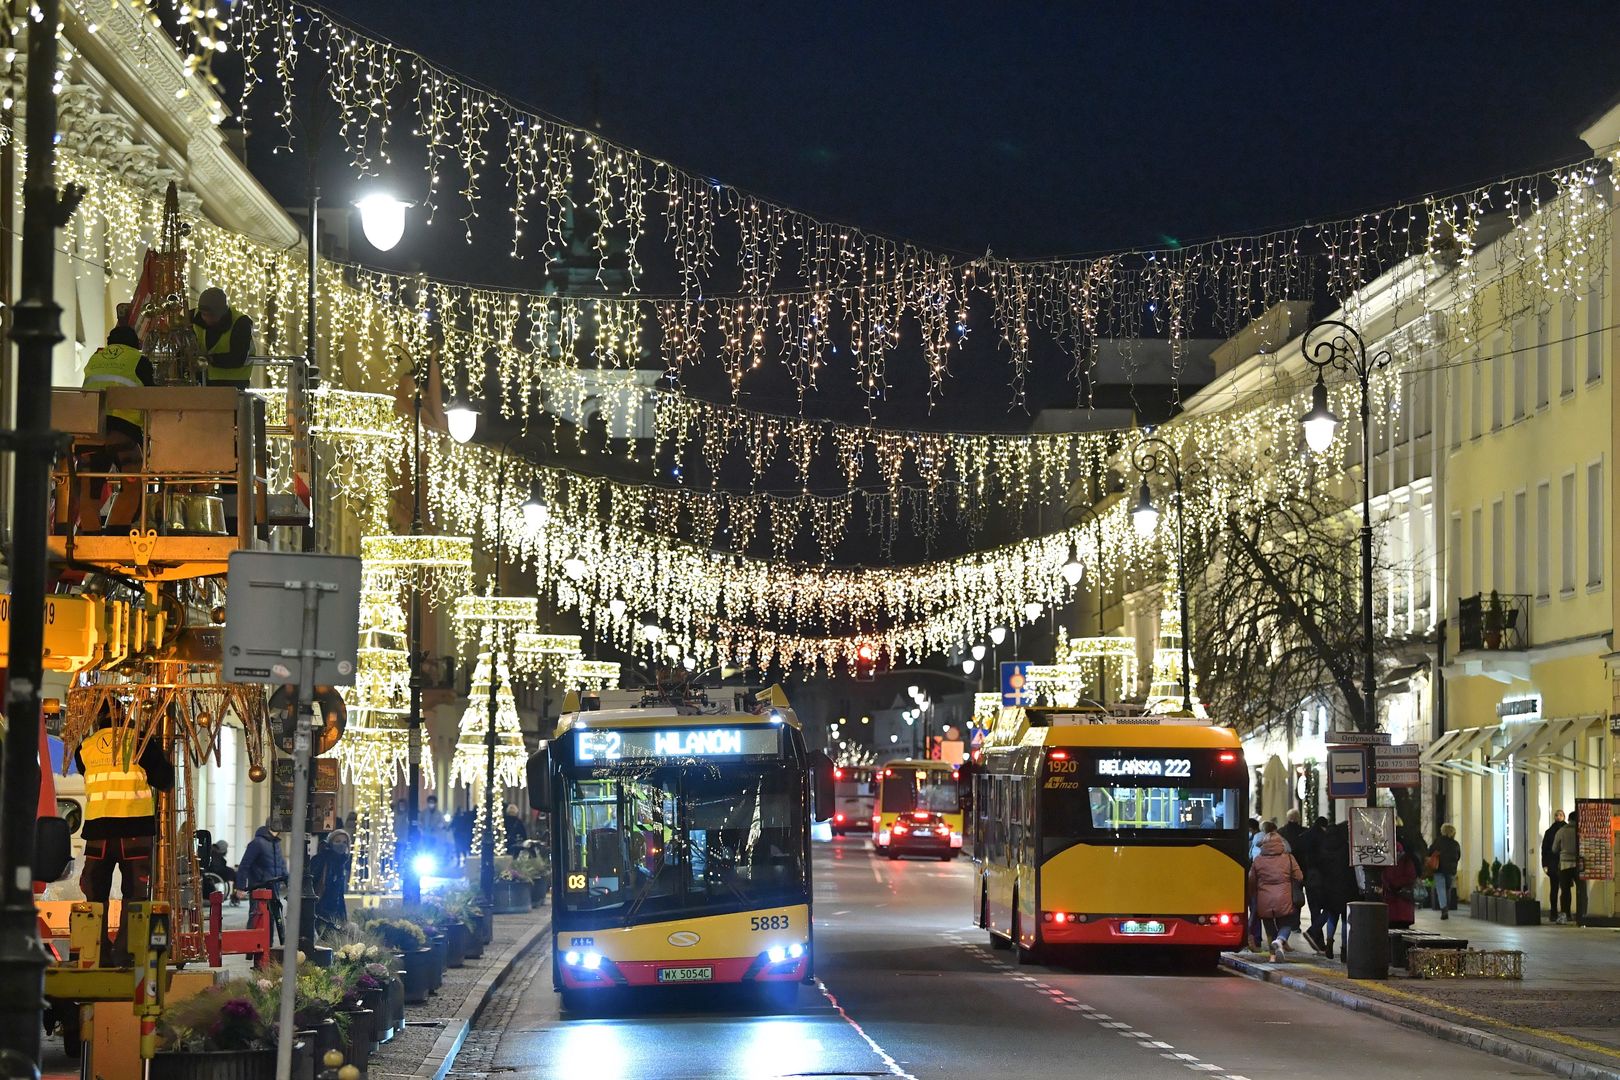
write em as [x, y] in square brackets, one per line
[442, 1058]
[1525, 1054]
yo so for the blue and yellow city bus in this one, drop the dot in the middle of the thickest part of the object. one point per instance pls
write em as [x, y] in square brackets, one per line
[680, 841]
[1092, 830]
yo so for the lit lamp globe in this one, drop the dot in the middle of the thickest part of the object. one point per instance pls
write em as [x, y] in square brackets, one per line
[1032, 610]
[998, 634]
[1320, 424]
[913, 690]
[616, 607]
[574, 567]
[1073, 570]
[535, 511]
[650, 630]
[978, 652]
[382, 219]
[462, 418]
[1144, 515]
[967, 667]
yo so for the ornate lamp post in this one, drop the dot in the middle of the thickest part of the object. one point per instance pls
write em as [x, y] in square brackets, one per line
[1334, 344]
[1154, 455]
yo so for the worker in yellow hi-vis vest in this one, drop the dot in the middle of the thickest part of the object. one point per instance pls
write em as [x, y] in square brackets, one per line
[117, 363]
[224, 340]
[120, 810]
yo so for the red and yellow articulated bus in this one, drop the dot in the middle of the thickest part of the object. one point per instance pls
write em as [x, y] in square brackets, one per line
[681, 841]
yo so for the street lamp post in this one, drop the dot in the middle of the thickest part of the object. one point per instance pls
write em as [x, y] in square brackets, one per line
[1337, 345]
[486, 859]
[1153, 455]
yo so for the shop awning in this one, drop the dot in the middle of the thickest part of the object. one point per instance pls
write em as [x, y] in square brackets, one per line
[1453, 751]
[1551, 748]
[1520, 735]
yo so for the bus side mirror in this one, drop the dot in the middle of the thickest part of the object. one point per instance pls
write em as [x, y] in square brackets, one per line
[540, 780]
[821, 774]
[52, 848]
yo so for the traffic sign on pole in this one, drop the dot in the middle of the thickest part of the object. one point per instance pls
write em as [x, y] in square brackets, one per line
[1015, 687]
[1357, 738]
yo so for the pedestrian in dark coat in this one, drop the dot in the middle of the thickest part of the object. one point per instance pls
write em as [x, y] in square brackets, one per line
[1336, 881]
[1549, 858]
[1446, 855]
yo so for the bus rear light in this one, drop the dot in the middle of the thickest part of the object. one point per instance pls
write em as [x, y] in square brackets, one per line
[1223, 920]
[1226, 757]
[1059, 755]
[838, 774]
[1059, 917]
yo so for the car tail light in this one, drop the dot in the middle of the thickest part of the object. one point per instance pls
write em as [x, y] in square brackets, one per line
[838, 774]
[920, 816]
[1227, 756]
[899, 828]
[838, 817]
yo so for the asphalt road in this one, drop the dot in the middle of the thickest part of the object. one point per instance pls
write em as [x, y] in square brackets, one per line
[908, 987]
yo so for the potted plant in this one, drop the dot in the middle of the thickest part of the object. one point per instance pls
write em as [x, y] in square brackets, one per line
[456, 909]
[539, 870]
[1494, 622]
[365, 966]
[223, 1033]
[410, 943]
[511, 887]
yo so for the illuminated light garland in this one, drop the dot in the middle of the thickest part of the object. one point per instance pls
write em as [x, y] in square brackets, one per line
[986, 709]
[545, 656]
[479, 619]
[437, 566]
[468, 766]
[373, 869]
[588, 675]
[1093, 656]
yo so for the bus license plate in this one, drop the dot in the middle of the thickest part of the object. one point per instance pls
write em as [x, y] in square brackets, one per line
[685, 974]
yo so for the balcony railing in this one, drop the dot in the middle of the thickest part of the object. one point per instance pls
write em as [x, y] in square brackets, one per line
[1498, 622]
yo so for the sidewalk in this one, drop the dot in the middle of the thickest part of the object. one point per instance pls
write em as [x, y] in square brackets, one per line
[1563, 1017]
[435, 1029]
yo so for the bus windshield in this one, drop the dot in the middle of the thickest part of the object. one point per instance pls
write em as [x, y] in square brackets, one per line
[684, 839]
[930, 789]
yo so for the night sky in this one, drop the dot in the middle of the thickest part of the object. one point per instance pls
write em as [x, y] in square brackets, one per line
[1048, 128]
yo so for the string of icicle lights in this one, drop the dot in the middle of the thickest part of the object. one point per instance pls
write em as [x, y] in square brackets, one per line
[807, 286]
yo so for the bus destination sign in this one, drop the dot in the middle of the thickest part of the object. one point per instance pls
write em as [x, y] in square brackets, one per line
[644, 744]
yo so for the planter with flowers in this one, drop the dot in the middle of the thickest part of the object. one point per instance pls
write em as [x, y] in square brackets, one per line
[512, 877]
[223, 1033]
[410, 944]
[538, 870]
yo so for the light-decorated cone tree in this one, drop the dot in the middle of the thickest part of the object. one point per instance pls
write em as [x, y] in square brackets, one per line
[470, 763]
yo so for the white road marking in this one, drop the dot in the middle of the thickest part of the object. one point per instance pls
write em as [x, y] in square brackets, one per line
[893, 1065]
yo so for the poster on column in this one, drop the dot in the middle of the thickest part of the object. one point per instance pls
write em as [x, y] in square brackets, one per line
[1372, 836]
[1597, 821]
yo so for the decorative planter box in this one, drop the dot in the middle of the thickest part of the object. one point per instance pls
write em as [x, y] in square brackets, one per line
[418, 975]
[455, 944]
[1479, 906]
[511, 897]
[1513, 911]
[214, 1065]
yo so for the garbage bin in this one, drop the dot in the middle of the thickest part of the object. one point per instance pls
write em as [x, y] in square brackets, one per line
[1366, 953]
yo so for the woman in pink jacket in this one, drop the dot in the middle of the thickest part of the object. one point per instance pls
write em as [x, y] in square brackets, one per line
[1272, 875]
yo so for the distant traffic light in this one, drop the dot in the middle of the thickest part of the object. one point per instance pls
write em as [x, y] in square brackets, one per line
[865, 661]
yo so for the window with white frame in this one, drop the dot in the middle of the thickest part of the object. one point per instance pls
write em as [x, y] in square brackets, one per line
[1498, 546]
[1455, 386]
[1594, 524]
[1498, 398]
[1544, 513]
[1566, 344]
[1543, 361]
[1454, 557]
[1477, 378]
[1594, 334]
[1521, 542]
[1477, 552]
[1566, 522]
[1521, 358]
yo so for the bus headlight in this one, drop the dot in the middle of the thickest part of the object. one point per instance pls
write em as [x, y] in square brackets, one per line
[776, 954]
[591, 961]
[571, 958]
[795, 950]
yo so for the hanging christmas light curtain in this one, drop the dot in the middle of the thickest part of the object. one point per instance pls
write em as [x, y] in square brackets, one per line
[439, 567]
[547, 657]
[806, 286]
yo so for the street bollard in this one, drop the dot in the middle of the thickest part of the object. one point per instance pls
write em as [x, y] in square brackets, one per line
[1366, 954]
